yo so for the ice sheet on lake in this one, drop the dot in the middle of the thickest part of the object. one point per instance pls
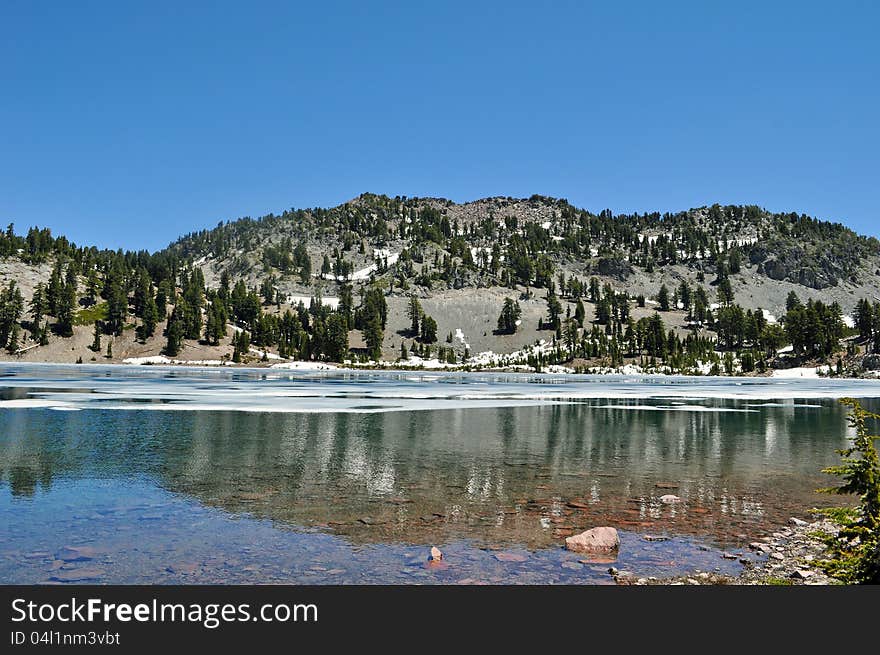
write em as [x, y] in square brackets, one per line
[344, 391]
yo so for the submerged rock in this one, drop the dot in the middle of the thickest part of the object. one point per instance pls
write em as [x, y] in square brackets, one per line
[76, 553]
[510, 557]
[597, 540]
[654, 537]
[77, 575]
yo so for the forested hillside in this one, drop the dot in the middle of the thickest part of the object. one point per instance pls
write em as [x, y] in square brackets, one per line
[500, 281]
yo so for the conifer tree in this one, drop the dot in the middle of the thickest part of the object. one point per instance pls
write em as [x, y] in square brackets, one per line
[174, 334]
[510, 314]
[13, 344]
[429, 330]
[37, 309]
[663, 298]
[96, 342]
[414, 312]
[373, 336]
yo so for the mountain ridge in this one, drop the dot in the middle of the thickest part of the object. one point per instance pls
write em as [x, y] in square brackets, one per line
[458, 264]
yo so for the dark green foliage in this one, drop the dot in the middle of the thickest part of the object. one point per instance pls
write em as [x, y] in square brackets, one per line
[510, 314]
[663, 298]
[241, 344]
[429, 330]
[150, 317]
[580, 313]
[337, 338]
[372, 306]
[66, 304]
[346, 305]
[725, 291]
[373, 335]
[37, 309]
[96, 341]
[814, 329]
[116, 295]
[215, 327]
[13, 344]
[554, 310]
[11, 309]
[857, 547]
[174, 332]
[414, 312]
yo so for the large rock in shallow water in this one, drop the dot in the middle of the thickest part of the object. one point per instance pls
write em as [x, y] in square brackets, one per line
[597, 540]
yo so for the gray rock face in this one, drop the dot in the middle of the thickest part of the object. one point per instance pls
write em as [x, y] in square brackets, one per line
[615, 268]
[775, 270]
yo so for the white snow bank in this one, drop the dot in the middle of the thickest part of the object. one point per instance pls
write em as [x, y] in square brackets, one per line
[800, 372]
[263, 353]
[388, 257]
[305, 366]
[161, 359]
[331, 301]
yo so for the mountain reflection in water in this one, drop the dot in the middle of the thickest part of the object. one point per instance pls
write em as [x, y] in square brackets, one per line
[526, 475]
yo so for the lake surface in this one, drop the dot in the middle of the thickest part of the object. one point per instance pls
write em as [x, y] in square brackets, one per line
[170, 475]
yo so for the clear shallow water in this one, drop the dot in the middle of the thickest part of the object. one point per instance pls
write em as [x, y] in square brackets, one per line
[278, 476]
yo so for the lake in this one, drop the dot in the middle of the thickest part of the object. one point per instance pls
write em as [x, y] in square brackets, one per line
[151, 475]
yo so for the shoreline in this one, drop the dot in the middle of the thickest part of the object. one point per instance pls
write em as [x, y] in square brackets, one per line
[330, 367]
[794, 556]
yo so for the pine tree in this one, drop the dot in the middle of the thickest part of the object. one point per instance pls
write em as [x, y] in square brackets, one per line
[150, 317]
[96, 343]
[13, 344]
[117, 301]
[37, 309]
[663, 298]
[580, 313]
[162, 298]
[54, 290]
[510, 314]
[66, 304]
[857, 547]
[11, 308]
[337, 337]
[429, 330]
[92, 286]
[174, 333]
[414, 312]
[554, 310]
[373, 336]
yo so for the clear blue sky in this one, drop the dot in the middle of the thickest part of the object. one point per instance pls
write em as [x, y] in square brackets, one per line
[127, 124]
